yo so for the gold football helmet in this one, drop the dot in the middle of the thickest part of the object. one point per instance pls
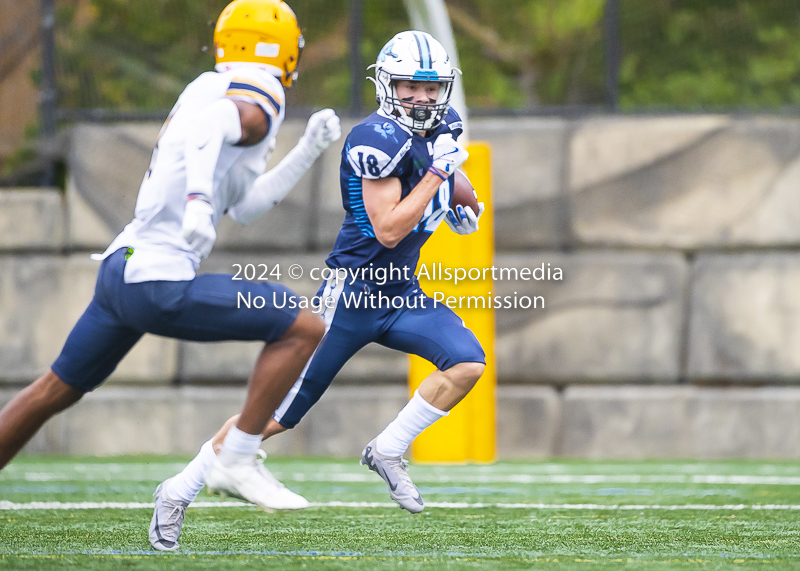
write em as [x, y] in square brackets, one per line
[263, 32]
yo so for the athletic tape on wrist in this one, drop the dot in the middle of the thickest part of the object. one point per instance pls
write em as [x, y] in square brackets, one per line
[437, 172]
[198, 196]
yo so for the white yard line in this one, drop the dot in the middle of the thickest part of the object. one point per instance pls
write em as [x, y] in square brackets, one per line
[731, 480]
[534, 469]
[11, 506]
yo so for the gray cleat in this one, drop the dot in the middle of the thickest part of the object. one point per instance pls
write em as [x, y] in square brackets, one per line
[394, 471]
[165, 527]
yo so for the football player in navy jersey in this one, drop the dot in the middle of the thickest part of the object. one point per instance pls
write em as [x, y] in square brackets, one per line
[395, 179]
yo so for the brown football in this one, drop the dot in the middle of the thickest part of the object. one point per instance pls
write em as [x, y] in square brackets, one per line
[463, 193]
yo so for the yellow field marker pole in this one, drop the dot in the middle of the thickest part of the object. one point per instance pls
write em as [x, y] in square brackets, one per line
[469, 432]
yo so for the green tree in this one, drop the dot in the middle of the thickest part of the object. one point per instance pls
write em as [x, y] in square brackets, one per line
[136, 54]
[677, 54]
[140, 54]
[706, 54]
[524, 53]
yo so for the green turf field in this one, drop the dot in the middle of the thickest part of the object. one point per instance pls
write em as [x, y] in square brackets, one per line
[550, 515]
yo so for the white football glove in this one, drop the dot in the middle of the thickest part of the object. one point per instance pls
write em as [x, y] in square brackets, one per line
[464, 221]
[448, 154]
[198, 227]
[323, 128]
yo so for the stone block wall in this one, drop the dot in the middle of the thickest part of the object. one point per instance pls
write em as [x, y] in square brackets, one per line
[623, 421]
[677, 236]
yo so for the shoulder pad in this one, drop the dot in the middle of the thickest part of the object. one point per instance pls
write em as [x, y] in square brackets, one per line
[375, 146]
[256, 86]
[452, 120]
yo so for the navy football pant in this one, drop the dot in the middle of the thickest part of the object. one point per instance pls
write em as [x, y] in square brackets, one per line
[434, 333]
[203, 309]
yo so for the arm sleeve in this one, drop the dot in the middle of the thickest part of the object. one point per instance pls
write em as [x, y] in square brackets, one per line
[273, 186]
[215, 126]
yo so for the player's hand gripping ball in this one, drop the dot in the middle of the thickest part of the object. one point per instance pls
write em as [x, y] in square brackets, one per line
[463, 192]
[448, 154]
[464, 205]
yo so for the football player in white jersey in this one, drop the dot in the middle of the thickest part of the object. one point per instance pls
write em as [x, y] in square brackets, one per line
[396, 175]
[209, 160]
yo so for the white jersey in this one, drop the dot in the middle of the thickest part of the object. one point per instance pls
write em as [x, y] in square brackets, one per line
[159, 249]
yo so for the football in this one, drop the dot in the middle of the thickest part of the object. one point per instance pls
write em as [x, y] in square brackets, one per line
[463, 193]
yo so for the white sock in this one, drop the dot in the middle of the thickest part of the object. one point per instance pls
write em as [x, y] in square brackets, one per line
[239, 447]
[415, 417]
[186, 485]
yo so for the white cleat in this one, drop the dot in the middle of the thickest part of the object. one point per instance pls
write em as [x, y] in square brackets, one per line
[394, 471]
[253, 483]
[165, 527]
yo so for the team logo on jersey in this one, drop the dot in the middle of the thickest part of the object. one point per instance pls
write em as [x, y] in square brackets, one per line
[419, 166]
[386, 130]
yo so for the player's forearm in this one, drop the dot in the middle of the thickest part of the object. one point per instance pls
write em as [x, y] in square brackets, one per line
[273, 186]
[404, 217]
[215, 126]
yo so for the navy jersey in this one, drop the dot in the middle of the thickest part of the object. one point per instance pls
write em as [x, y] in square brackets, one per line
[381, 147]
